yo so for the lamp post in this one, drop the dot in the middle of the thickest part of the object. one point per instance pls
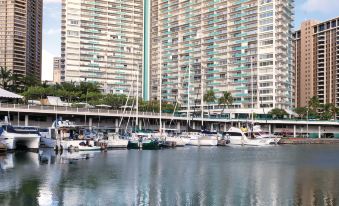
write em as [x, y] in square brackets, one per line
[307, 122]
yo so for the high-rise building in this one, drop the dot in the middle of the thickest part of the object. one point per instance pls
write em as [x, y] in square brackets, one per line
[317, 62]
[56, 70]
[102, 41]
[303, 63]
[240, 46]
[21, 36]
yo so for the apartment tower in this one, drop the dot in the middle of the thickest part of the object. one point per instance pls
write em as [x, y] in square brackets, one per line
[57, 70]
[102, 41]
[317, 62]
[21, 36]
[240, 46]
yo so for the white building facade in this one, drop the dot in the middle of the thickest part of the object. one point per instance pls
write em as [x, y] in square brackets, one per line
[240, 46]
[102, 41]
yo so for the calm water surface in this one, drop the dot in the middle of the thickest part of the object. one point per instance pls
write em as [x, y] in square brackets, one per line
[278, 175]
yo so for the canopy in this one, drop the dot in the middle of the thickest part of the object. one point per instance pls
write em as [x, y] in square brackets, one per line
[103, 105]
[9, 95]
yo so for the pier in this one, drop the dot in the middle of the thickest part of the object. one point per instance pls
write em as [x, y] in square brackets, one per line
[43, 116]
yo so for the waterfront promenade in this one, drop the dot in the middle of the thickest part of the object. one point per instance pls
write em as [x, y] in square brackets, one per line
[108, 117]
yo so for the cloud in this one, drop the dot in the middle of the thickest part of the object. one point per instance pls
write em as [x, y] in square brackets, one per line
[323, 6]
[47, 65]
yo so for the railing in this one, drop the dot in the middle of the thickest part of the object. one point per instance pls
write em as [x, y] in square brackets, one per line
[55, 109]
[182, 116]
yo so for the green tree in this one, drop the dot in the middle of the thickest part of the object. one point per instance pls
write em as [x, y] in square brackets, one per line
[328, 111]
[6, 78]
[301, 112]
[209, 98]
[314, 104]
[278, 113]
[226, 99]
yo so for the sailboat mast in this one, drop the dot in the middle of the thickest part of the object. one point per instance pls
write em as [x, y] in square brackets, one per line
[202, 96]
[160, 94]
[188, 94]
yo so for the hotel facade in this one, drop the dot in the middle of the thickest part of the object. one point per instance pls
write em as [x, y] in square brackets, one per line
[183, 47]
[240, 46]
[21, 36]
[102, 41]
[317, 62]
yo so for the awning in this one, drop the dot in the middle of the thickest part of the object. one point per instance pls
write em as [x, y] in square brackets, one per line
[9, 95]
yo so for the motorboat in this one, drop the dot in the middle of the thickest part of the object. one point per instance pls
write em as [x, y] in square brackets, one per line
[236, 136]
[66, 135]
[144, 141]
[114, 141]
[258, 133]
[203, 139]
[179, 141]
[14, 138]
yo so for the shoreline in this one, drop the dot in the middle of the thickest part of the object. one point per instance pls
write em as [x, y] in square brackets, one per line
[308, 141]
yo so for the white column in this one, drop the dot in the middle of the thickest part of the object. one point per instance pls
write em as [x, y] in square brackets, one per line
[116, 125]
[26, 120]
[225, 127]
[319, 132]
[193, 125]
[178, 126]
[270, 128]
[90, 122]
[294, 131]
[139, 124]
[212, 127]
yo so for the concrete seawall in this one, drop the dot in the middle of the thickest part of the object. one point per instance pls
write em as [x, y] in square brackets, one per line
[308, 141]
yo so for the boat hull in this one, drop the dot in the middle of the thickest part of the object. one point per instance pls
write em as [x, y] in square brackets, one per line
[13, 140]
[47, 142]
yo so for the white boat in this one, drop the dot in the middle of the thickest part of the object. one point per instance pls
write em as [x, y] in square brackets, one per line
[15, 137]
[208, 140]
[235, 136]
[179, 141]
[67, 135]
[114, 141]
[201, 139]
[260, 134]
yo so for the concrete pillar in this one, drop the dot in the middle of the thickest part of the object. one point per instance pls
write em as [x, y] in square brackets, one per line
[319, 132]
[139, 123]
[26, 120]
[270, 128]
[90, 122]
[239, 124]
[193, 125]
[294, 131]
[225, 127]
[18, 119]
[212, 127]
[178, 126]
[116, 125]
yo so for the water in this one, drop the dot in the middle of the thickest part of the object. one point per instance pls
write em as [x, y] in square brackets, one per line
[277, 175]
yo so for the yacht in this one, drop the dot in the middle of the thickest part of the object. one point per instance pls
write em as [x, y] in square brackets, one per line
[202, 139]
[113, 140]
[236, 136]
[14, 138]
[66, 135]
[258, 133]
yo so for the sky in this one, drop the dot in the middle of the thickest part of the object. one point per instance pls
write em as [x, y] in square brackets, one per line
[304, 9]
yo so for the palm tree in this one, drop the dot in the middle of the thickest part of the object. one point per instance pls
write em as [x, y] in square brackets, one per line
[226, 99]
[314, 104]
[279, 113]
[328, 111]
[301, 111]
[6, 77]
[209, 97]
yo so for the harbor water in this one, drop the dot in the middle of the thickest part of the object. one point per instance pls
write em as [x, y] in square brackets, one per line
[276, 175]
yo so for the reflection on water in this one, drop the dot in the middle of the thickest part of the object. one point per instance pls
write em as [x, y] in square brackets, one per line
[281, 175]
